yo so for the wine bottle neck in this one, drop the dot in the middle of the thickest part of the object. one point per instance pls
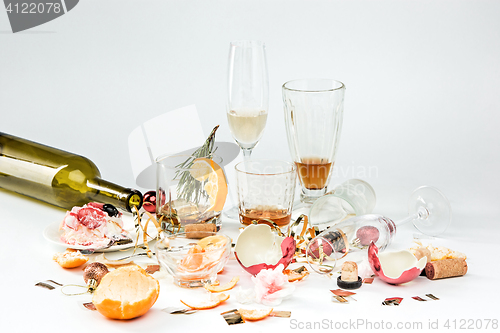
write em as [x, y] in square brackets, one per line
[108, 192]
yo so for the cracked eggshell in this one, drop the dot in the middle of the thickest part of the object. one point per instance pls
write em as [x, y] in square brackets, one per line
[258, 248]
[395, 267]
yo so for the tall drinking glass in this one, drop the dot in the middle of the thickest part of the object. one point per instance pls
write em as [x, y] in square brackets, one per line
[248, 93]
[313, 118]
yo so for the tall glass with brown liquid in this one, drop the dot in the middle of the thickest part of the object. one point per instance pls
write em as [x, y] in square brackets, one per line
[314, 172]
[313, 117]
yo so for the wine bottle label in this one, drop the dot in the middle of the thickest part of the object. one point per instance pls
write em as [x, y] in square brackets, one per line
[30, 171]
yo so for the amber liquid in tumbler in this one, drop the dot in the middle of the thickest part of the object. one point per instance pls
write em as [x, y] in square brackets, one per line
[313, 172]
[186, 213]
[279, 216]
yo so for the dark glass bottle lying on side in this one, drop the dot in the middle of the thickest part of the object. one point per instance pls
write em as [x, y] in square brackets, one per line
[57, 177]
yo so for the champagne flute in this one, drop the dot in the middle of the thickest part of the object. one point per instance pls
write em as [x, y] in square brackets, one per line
[248, 93]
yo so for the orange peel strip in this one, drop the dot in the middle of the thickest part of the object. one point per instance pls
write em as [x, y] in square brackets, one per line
[207, 304]
[294, 276]
[253, 315]
[304, 226]
[70, 258]
[312, 233]
[216, 288]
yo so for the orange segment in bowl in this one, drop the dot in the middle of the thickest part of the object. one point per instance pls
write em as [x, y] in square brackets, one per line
[193, 260]
[252, 315]
[212, 242]
[203, 256]
[212, 302]
[206, 170]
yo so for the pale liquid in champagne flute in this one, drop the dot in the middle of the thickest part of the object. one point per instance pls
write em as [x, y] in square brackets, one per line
[247, 125]
[313, 172]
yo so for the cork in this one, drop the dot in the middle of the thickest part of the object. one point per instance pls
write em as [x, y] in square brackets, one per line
[349, 271]
[445, 268]
[199, 230]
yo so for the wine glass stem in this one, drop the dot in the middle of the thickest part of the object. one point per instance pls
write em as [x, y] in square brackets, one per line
[246, 153]
[407, 219]
[422, 213]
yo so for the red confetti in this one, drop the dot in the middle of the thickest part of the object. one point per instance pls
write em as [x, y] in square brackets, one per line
[343, 293]
[368, 280]
[90, 306]
[152, 269]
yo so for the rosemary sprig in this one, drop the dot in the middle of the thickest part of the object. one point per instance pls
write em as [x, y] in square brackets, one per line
[188, 187]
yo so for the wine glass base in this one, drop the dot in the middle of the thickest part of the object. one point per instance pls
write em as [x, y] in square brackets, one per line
[299, 204]
[433, 210]
[310, 196]
[329, 210]
[232, 213]
[425, 237]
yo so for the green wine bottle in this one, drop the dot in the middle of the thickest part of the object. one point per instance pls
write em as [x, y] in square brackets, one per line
[57, 177]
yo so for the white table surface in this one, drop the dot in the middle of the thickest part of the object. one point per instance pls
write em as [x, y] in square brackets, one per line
[422, 108]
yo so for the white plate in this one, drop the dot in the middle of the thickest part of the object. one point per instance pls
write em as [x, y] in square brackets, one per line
[53, 235]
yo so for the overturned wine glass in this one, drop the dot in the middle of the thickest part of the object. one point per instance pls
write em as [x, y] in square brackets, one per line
[429, 210]
[353, 197]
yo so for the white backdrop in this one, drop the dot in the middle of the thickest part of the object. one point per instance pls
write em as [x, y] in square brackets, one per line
[422, 101]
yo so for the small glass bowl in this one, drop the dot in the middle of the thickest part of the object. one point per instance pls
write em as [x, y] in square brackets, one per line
[193, 258]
